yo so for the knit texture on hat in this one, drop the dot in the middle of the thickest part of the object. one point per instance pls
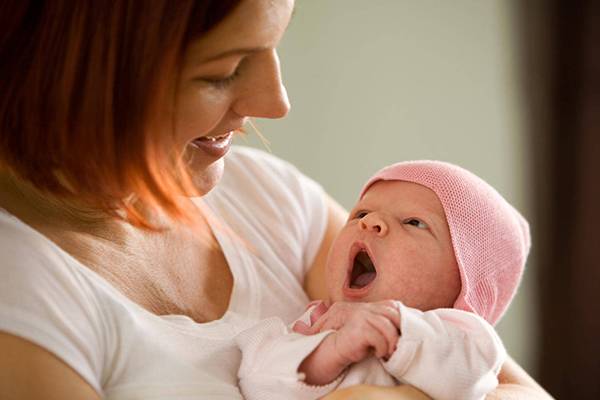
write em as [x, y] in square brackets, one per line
[490, 238]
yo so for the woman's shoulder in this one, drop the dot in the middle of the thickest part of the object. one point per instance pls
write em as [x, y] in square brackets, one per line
[35, 270]
[45, 300]
[22, 248]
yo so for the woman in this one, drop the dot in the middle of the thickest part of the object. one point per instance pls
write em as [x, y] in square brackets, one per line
[117, 280]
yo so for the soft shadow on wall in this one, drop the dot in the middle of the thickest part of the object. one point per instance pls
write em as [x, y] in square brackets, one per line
[562, 50]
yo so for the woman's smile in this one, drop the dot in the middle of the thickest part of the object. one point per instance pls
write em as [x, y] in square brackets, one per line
[216, 146]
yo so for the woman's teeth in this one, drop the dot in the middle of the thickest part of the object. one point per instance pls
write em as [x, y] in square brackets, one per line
[215, 138]
[216, 146]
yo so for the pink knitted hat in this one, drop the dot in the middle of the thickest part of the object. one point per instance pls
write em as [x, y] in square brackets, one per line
[490, 238]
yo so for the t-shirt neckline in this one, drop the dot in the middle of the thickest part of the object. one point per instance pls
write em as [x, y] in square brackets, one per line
[178, 320]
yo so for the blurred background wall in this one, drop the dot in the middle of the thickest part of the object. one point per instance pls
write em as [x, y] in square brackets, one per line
[375, 82]
[509, 89]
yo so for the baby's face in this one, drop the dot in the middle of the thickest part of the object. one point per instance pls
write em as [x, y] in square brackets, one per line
[395, 245]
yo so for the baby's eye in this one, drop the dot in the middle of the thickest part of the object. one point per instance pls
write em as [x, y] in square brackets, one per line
[360, 214]
[416, 222]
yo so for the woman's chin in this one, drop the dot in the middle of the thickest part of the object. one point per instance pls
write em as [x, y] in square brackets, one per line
[205, 178]
[204, 169]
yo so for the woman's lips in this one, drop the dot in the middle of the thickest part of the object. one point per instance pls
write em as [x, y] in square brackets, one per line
[216, 146]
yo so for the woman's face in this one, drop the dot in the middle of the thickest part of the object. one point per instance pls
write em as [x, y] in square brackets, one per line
[229, 74]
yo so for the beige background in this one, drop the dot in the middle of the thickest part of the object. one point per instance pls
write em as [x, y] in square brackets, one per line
[373, 82]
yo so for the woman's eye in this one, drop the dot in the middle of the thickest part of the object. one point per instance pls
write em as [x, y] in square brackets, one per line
[222, 83]
[416, 222]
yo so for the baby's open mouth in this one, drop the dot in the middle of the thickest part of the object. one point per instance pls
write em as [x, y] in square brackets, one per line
[363, 271]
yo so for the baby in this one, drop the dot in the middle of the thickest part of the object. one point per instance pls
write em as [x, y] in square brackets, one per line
[428, 261]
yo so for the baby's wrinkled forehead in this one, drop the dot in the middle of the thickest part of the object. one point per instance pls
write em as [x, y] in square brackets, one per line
[400, 193]
[405, 199]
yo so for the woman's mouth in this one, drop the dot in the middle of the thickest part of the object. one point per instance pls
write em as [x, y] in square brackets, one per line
[361, 274]
[216, 146]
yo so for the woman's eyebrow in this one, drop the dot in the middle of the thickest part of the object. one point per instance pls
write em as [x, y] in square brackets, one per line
[243, 51]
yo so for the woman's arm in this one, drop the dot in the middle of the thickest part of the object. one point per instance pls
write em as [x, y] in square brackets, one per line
[370, 392]
[314, 282]
[27, 371]
[515, 383]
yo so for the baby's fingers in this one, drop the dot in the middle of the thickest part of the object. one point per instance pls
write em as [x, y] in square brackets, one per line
[301, 327]
[333, 317]
[318, 312]
[376, 340]
[389, 310]
[388, 331]
[316, 320]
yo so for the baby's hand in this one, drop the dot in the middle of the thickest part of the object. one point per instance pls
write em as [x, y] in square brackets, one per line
[335, 316]
[362, 329]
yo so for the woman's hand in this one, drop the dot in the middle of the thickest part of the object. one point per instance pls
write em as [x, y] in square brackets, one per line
[370, 392]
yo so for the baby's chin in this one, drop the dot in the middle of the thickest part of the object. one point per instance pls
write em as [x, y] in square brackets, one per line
[350, 299]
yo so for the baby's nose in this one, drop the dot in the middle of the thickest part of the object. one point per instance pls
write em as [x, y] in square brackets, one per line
[373, 222]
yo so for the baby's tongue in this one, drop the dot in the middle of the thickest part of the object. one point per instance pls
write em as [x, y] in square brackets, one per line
[364, 279]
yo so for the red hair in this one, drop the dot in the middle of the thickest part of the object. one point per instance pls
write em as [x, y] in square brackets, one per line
[86, 88]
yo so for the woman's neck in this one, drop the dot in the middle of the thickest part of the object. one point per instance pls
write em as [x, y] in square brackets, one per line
[161, 271]
[44, 211]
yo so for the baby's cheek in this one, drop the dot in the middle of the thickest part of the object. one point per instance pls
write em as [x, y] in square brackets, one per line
[337, 265]
[331, 270]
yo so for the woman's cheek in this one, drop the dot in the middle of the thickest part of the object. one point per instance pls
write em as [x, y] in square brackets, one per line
[203, 118]
[199, 112]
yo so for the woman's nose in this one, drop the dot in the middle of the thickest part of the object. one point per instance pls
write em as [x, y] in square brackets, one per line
[374, 223]
[264, 96]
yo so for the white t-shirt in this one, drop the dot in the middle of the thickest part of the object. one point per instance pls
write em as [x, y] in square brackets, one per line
[127, 352]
